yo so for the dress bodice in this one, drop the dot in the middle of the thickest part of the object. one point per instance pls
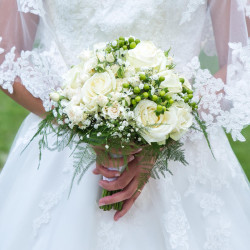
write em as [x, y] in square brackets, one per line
[80, 23]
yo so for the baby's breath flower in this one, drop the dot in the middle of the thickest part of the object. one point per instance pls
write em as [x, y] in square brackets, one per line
[107, 146]
[99, 134]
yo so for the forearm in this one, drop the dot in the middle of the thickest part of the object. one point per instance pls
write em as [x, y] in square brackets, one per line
[23, 97]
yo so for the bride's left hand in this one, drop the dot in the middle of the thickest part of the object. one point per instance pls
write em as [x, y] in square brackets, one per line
[127, 183]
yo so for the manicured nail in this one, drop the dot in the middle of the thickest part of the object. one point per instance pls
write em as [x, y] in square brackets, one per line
[101, 203]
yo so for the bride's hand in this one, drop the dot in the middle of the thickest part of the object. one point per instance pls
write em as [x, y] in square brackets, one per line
[127, 182]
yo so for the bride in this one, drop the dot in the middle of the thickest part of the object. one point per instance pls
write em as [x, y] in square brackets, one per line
[202, 206]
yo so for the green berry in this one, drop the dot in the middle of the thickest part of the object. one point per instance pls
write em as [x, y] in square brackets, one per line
[145, 95]
[142, 77]
[154, 98]
[121, 38]
[161, 78]
[125, 85]
[133, 101]
[164, 108]
[132, 45]
[182, 80]
[171, 101]
[159, 108]
[167, 97]
[138, 99]
[189, 91]
[196, 107]
[186, 99]
[120, 43]
[190, 96]
[146, 87]
[193, 104]
[137, 41]
[162, 93]
[184, 90]
[125, 47]
[137, 90]
[131, 39]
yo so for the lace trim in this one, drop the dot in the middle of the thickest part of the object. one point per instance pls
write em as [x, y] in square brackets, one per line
[40, 73]
[192, 7]
[32, 6]
[232, 109]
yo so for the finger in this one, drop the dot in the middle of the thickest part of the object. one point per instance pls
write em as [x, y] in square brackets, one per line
[126, 206]
[106, 172]
[122, 181]
[110, 162]
[123, 195]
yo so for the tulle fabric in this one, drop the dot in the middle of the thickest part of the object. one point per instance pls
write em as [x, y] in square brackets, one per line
[202, 206]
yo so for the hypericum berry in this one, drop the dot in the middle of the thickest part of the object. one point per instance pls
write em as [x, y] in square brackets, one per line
[182, 80]
[137, 90]
[168, 97]
[121, 43]
[142, 77]
[131, 39]
[186, 99]
[171, 101]
[154, 98]
[161, 78]
[159, 108]
[121, 38]
[125, 85]
[164, 108]
[133, 101]
[125, 47]
[146, 87]
[184, 90]
[189, 91]
[138, 99]
[132, 45]
[162, 93]
[190, 96]
[137, 41]
[145, 95]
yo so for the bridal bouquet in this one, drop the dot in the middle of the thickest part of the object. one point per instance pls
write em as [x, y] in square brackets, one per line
[121, 94]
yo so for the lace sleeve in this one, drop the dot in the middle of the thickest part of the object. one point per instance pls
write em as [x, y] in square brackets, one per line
[21, 53]
[225, 101]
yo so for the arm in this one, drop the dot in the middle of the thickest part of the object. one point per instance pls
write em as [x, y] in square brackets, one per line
[18, 30]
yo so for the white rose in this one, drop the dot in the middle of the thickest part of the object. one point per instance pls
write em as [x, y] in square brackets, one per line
[98, 84]
[110, 58]
[90, 65]
[154, 128]
[75, 113]
[113, 111]
[172, 82]
[101, 55]
[85, 55]
[70, 92]
[146, 54]
[102, 100]
[184, 120]
[73, 77]
[54, 96]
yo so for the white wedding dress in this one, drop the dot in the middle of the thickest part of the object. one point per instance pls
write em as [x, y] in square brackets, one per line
[203, 206]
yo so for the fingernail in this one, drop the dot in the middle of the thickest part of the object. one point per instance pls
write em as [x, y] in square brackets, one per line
[101, 204]
[118, 174]
[117, 218]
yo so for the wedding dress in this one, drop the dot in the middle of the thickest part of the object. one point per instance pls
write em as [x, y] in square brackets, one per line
[204, 205]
